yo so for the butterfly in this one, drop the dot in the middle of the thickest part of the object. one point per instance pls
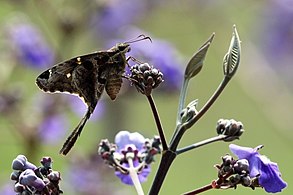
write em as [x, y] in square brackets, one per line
[88, 76]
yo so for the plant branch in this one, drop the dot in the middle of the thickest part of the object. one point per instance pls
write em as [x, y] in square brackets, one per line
[199, 190]
[158, 122]
[182, 98]
[184, 127]
[165, 163]
[201, 143]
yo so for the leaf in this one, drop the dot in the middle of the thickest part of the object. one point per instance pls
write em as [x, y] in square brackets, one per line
[195, 64]
[232, 58]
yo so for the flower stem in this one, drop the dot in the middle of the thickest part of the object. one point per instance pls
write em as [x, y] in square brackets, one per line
[134, 177]
[182, 98]
[158, 122]
[182, 128]
[201, 143]
[199, 190]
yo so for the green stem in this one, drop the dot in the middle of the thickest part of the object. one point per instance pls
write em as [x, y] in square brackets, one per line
[158, 122]
[201, 143]
[182, 98]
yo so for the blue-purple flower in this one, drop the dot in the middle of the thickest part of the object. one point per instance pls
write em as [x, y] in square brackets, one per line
[131, 142]
[260, 166]
[29, 43]
[131, 156]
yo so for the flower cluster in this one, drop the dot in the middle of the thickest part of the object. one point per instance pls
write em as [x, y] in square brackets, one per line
[145, 78]
[233, 129]
[30, 179]
[131, 150]
[250, 169]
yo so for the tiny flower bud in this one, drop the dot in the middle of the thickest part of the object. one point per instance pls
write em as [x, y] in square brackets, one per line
[54, 176]
[189, 112]
[29, 178]
[241, 166]
[19, 188]
[46, 162]
[15, 175]
[246, 181]
[21, 163]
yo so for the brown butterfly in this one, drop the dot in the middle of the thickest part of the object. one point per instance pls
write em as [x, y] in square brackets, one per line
[88, 76]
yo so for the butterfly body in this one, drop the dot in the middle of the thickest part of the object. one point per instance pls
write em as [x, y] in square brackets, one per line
[87, 76]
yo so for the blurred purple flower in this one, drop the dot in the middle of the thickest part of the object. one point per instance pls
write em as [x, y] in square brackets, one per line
[7, 189]
[113, 15]
[88, 176]
[79, 107]
[51, 124]
[29, 43]
[131, 142]
[53, 128]
[277, 35]
[269, 174]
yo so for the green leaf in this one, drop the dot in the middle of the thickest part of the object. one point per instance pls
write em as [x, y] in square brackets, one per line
[196, 62]
[232, 58]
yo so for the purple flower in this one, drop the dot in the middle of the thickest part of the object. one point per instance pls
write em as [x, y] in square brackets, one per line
[87, 175]
[124, 138]
[29, 44]
[276, 36]
[131, 142]
[260, 165]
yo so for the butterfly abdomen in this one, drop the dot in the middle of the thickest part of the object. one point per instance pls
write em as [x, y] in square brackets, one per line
[113, 86]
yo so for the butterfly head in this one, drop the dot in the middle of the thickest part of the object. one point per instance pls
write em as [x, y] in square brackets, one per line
[125, 47]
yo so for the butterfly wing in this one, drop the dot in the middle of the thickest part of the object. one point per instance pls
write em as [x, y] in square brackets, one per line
[78, 76]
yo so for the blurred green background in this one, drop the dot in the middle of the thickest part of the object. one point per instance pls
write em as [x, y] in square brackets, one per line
[260, 95]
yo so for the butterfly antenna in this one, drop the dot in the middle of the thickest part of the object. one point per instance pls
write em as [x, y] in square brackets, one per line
[139, 38]
[69, 143]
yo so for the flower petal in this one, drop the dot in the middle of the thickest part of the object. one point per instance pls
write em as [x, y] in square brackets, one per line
[241, 152]
[270, 177]
[124, 138]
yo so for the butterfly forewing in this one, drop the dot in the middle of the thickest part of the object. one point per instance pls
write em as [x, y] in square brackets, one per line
[87, 76]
